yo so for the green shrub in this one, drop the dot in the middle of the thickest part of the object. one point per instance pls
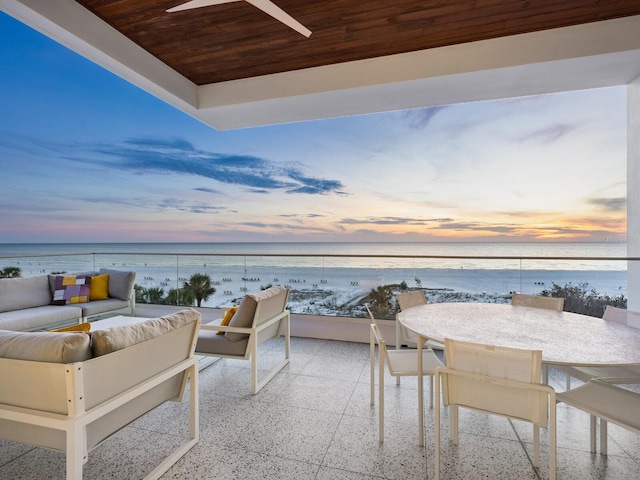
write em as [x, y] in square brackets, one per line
[580, 299]
[10, 272]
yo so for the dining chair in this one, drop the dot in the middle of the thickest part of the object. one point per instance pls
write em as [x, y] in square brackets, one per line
[620, 374]
[399, 363]
[536, 301]
[609, 403]
[497, 380]
[403, 335]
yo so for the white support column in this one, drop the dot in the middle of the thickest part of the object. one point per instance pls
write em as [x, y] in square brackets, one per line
[633, 193]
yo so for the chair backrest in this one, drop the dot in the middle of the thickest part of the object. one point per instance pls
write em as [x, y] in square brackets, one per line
[270, 302]
[377, 333]
[376, 329]
[411, 299]
[491, 387]
[621, 315]
[549, 303]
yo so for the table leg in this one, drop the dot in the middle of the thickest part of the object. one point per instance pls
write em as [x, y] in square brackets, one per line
[421, 342]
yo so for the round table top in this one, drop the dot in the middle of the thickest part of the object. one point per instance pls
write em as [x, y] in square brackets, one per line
[564, 338]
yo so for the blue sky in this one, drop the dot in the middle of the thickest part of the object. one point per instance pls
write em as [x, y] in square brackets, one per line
[87, 157]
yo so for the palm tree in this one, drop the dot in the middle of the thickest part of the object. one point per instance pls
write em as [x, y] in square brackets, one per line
[155, 295]
[179, 296]
[199, 285]
[380, 299]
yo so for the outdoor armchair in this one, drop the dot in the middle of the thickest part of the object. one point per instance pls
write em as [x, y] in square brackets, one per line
[260, 316]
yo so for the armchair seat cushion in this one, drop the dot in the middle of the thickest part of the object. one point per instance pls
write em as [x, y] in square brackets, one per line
[210, 341]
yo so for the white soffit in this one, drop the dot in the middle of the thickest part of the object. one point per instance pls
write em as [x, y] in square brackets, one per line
[591, 55]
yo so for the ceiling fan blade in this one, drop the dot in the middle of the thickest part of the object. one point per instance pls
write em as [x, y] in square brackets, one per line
[197, 4]
[276, 12]
[266, 6]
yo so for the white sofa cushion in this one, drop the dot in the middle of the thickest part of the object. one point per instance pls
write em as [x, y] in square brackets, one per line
[102, 306]
[45, 346]
[113, 339]
[120, 283]
[38, 318]
[20, 293]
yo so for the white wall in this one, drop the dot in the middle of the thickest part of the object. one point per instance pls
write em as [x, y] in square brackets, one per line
[633, 192]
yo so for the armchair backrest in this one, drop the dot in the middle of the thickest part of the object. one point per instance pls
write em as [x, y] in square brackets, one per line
[493, 379]
[269, 305]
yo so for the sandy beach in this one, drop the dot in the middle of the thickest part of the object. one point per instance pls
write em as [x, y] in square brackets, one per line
[327, 285]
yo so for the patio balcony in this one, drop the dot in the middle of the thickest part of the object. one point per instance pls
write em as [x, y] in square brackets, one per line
[314, 420]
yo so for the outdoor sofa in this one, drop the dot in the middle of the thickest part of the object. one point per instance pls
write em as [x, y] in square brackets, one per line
[71, 391]
[45, 301]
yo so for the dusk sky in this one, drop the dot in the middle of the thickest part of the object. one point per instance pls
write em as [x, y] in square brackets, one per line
[87, 157]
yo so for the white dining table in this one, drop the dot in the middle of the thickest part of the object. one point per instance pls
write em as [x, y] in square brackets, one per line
[564, 338]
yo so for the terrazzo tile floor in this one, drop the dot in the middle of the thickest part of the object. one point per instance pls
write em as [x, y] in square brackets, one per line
[314, 421]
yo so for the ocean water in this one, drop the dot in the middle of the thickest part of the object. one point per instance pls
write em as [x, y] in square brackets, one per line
[338, 273]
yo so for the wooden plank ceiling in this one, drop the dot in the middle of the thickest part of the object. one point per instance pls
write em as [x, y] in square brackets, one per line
[237, 40]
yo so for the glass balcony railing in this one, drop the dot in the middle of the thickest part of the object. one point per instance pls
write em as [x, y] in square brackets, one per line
[338, 285]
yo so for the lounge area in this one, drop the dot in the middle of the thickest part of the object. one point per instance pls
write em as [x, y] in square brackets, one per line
[314, 420]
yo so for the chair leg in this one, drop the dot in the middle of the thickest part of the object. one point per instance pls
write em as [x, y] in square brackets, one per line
[372, 361]
[254, 367]
[398, 346]
[545, 374]
[436, 460]
[553, 447]
[568, 387]
[381, 368]
[536, 445]
[453, 423]
[431, 391]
